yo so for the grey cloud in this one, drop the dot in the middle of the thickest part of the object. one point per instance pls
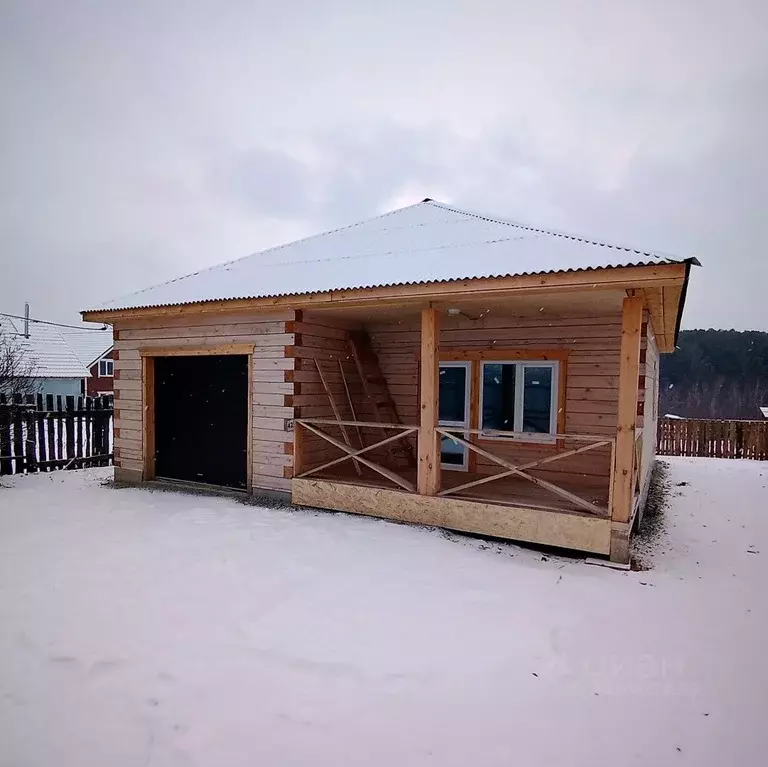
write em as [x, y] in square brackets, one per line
[142, 141]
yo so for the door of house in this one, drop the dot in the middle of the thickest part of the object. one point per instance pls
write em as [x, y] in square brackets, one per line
[201, 419]
[453, 411]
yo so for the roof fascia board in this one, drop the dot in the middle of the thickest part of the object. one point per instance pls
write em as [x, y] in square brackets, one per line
[612, 278]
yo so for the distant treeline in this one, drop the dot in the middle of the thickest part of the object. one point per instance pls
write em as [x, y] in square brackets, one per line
[715, 374]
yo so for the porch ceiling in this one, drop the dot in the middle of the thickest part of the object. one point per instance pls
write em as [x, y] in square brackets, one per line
[547, 304]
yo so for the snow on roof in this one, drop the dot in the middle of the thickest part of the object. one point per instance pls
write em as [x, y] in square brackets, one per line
[764, 411]
[426, 242]
[52, 356]
[89, 345]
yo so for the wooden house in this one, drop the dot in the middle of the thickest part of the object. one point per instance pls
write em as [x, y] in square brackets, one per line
[57, 369]
[429, 365]
[93, 348]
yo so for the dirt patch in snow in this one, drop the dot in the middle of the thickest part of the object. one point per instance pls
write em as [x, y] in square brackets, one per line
[649, 539]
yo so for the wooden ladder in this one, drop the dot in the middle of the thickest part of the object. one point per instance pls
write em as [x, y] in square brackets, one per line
[377, 393]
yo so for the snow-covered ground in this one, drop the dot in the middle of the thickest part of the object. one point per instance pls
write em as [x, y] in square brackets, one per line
[150, 628]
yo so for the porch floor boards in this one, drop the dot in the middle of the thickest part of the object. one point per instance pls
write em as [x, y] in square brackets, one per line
[510, 491]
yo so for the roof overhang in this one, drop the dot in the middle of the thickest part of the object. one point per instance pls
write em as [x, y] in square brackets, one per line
[663, 284]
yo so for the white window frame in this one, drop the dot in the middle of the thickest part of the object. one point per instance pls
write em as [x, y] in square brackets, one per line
[108, 363]
[520, 435]
[459, 425]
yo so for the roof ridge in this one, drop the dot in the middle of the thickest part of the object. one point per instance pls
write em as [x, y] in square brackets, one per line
[549, 232]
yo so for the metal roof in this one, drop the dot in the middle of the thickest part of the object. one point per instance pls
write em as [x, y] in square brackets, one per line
[89, 345]
[426, 242]
[46, 347]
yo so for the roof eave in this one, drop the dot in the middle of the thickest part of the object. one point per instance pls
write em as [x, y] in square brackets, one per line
[616, 277]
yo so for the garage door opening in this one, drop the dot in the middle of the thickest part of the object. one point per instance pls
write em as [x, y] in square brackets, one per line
[201, 419]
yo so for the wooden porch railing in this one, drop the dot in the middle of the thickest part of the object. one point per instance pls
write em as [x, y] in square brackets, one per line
[521, 470]
[353, 454]
[589, 442]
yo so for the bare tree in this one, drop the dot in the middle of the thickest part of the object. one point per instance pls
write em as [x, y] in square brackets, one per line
[17, 369]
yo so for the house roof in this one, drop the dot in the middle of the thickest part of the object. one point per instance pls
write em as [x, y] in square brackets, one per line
[764, 411]
[426, 242]
[89, 345]
[52, 356]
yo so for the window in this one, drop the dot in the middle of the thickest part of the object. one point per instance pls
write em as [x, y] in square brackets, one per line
[519, 397]
[106, 368]
[453, 410]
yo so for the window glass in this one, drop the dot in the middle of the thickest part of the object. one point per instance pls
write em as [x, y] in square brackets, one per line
[499, 396]
[453, 392]
[452, 453]
[537, 399]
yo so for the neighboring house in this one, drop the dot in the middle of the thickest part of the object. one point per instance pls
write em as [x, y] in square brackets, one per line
[764, 411]
[58, 370]
[94, 350]
[488, 377]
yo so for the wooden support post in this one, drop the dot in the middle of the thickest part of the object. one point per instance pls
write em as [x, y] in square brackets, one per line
[429, 454]
[148, 416]
[622, 495]
[299, 449]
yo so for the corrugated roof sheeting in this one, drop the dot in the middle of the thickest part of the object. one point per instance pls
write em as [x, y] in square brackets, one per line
[427, 242]
[51, 354]
[89, 345]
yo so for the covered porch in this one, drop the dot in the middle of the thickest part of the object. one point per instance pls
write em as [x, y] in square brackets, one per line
[492, 417]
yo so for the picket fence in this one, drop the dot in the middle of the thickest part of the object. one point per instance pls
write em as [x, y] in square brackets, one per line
[47, 432]
[707, 438]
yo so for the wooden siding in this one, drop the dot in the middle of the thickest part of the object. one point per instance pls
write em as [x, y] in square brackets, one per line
[592, 368]
[648, 408]
[324, 340]
[95, 384]
[268, 334]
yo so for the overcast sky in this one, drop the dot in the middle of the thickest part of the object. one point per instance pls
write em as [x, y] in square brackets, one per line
[144, 140]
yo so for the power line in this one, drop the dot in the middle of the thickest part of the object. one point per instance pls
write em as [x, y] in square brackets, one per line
[57, 324]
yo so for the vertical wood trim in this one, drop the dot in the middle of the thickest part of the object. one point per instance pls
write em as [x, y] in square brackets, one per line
[299, 463]
[562, 390]
[621, 499]
[474, 411]
[249, 437]
[148, 415]
[429, 455]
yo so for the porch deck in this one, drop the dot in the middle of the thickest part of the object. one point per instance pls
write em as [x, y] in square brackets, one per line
[508, 491]
[510, 503]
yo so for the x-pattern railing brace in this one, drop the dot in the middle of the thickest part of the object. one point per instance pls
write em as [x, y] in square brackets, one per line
[512, 470]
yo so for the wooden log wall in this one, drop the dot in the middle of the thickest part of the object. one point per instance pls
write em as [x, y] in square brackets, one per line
[324, 340]
[272, 335]
[592, 379]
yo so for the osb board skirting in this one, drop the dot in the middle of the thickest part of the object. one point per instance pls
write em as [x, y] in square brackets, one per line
[550, 528]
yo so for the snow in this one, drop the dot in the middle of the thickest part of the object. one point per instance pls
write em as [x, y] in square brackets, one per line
[425, 242]
[163, 629]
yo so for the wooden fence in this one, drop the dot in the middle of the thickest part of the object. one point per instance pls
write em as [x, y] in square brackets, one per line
[45, 433]
[713, 439]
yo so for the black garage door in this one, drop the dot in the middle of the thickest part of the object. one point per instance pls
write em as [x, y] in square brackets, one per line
[201, 419]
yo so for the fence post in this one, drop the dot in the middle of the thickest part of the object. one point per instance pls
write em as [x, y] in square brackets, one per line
[18, 435]
[6, 464]
[40, 428]
[98, 431]
[88, 427]
[30, 451]
[70, 427]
